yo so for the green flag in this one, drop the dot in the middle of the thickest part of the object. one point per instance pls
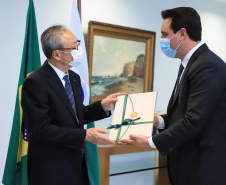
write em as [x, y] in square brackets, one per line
[92, 160]
[15, 172]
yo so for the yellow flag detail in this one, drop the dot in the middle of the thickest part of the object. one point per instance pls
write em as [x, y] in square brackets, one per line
[23, 145]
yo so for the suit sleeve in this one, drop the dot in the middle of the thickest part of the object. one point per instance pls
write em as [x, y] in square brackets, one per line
[35, 104]
[94, 111]
[205, 91]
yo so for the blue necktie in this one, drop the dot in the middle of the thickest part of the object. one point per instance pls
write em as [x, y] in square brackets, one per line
[69, 92]
[181, 68]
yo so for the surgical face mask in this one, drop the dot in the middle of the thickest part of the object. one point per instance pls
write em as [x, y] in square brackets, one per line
[165, 46]
[77, 57]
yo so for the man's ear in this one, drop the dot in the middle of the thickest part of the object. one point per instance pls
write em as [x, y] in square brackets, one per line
[183, 33]
[56, 55]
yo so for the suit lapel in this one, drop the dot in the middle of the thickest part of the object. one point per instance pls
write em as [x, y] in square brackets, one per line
[190, 62]
[57, 85]
[171, 98]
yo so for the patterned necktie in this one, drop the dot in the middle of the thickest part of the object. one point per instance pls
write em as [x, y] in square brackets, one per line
[181, 68]
[69, 91]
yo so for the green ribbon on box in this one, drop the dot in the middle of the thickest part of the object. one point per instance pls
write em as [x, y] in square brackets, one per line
[126, 122]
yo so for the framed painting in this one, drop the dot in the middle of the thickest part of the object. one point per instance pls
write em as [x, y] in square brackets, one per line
[121, 59]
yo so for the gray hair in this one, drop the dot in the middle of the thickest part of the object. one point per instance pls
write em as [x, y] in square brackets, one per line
[51, 39]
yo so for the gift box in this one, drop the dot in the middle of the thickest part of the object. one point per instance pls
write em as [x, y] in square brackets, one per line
[133, 114]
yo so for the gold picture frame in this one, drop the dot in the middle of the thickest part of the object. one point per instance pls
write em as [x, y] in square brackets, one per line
[120, 59]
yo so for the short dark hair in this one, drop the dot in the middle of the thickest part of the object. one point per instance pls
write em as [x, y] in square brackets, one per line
[185, 17]
[51, 39]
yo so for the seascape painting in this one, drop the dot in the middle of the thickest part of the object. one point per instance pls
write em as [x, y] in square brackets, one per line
[118, 66]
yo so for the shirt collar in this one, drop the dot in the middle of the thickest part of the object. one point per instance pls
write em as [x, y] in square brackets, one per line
[59, 73]
[190, 53]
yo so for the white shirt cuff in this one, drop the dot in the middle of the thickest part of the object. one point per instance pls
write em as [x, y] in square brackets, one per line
[161, 122]
[151, 143]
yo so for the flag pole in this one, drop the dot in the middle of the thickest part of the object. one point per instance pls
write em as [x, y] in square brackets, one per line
[79, 9]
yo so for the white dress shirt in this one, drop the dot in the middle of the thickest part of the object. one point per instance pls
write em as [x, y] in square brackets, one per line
[60, 73]
[184, 63]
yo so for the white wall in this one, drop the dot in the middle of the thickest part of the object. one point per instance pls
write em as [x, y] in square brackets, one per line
[142, 14]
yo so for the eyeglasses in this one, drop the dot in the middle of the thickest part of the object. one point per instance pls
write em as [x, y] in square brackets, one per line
[78, 43]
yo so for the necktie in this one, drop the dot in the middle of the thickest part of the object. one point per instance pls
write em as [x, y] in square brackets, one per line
[181, 68]
[69, 92]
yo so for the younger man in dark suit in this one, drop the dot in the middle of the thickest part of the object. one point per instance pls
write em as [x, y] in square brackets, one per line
[193, 132]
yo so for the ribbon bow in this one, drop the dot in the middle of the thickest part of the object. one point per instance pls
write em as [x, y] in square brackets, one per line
[124, 122]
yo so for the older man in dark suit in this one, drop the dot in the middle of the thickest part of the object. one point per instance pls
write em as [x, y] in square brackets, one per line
[193, 132]
[53, 108]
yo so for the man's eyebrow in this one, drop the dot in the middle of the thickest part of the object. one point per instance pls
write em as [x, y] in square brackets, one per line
[164, 32]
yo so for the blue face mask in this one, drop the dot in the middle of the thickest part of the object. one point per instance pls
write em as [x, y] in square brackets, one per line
[165, 46]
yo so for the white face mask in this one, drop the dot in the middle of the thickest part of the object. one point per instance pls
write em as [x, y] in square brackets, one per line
[77, 57]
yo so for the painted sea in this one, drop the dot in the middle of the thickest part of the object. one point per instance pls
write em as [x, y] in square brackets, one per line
[105, 85]
[100, 84]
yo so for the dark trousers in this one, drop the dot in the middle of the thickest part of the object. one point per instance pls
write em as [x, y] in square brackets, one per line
[85, 176]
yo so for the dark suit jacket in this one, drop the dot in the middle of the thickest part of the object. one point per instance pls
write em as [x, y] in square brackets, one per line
[55, 137]
[195, 125]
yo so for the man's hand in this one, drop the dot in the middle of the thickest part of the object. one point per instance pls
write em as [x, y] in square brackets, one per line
[93, 135]
[156, 121]
[137, 140]
[108, 103]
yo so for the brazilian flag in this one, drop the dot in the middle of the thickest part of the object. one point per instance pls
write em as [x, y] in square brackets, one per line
[15, 172]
